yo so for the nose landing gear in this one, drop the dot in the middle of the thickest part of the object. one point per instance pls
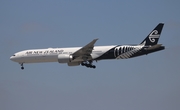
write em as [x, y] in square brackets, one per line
[22, 67]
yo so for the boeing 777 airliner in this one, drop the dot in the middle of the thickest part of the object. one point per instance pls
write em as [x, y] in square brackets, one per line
[85, 56]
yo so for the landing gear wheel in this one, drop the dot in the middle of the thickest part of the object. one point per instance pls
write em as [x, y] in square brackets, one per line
[88, 65]
[82, 64]
[94, 66]
[22, 67]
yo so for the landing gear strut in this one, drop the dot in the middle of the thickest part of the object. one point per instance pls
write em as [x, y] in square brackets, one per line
[88, 65]
[22, 67]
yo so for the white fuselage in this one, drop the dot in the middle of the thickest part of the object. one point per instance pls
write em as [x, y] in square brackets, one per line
[51, 54]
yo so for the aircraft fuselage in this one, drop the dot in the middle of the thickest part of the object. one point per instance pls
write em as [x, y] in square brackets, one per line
[85, 55]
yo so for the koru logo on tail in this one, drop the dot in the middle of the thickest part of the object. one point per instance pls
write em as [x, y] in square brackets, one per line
[154, 34]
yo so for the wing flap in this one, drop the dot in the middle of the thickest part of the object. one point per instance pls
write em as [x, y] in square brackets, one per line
[86, 50]
[84, 53]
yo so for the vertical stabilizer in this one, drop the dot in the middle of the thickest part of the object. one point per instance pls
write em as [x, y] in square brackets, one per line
[153, 37]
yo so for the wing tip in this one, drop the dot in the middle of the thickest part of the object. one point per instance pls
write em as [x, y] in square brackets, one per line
[96, 39]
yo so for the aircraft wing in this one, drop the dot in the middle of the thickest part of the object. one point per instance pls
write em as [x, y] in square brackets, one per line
[84, 52]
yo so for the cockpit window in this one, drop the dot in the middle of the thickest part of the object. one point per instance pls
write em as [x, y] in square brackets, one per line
[14, 55]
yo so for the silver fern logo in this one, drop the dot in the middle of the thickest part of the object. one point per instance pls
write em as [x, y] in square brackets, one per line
[154, 34]
[124, 52]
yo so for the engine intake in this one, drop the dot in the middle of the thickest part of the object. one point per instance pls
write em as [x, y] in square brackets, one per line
[65, 58]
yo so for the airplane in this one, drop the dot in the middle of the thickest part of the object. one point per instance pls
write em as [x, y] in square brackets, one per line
[75, 56]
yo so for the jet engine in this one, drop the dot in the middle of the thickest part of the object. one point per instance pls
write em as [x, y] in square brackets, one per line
[74, 64]
[65, 58]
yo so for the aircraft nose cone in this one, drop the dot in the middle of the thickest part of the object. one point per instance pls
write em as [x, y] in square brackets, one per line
[12, 58]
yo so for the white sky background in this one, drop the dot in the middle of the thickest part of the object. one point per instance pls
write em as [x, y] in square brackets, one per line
[144, 83]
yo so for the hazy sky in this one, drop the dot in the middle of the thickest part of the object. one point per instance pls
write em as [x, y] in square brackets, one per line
[149, 82]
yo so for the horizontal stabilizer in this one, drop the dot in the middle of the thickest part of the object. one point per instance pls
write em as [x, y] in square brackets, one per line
[154, 47]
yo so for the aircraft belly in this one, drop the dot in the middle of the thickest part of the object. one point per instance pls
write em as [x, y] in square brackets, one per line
[39, 59]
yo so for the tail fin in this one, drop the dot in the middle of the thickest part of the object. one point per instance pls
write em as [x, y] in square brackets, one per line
[153, 37]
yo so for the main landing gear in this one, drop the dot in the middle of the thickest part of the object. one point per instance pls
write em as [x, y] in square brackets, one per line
[22, 67]
[88, 65]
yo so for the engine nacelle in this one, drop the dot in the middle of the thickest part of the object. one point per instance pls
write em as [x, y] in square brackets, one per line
[65, 58]
[74, 64]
